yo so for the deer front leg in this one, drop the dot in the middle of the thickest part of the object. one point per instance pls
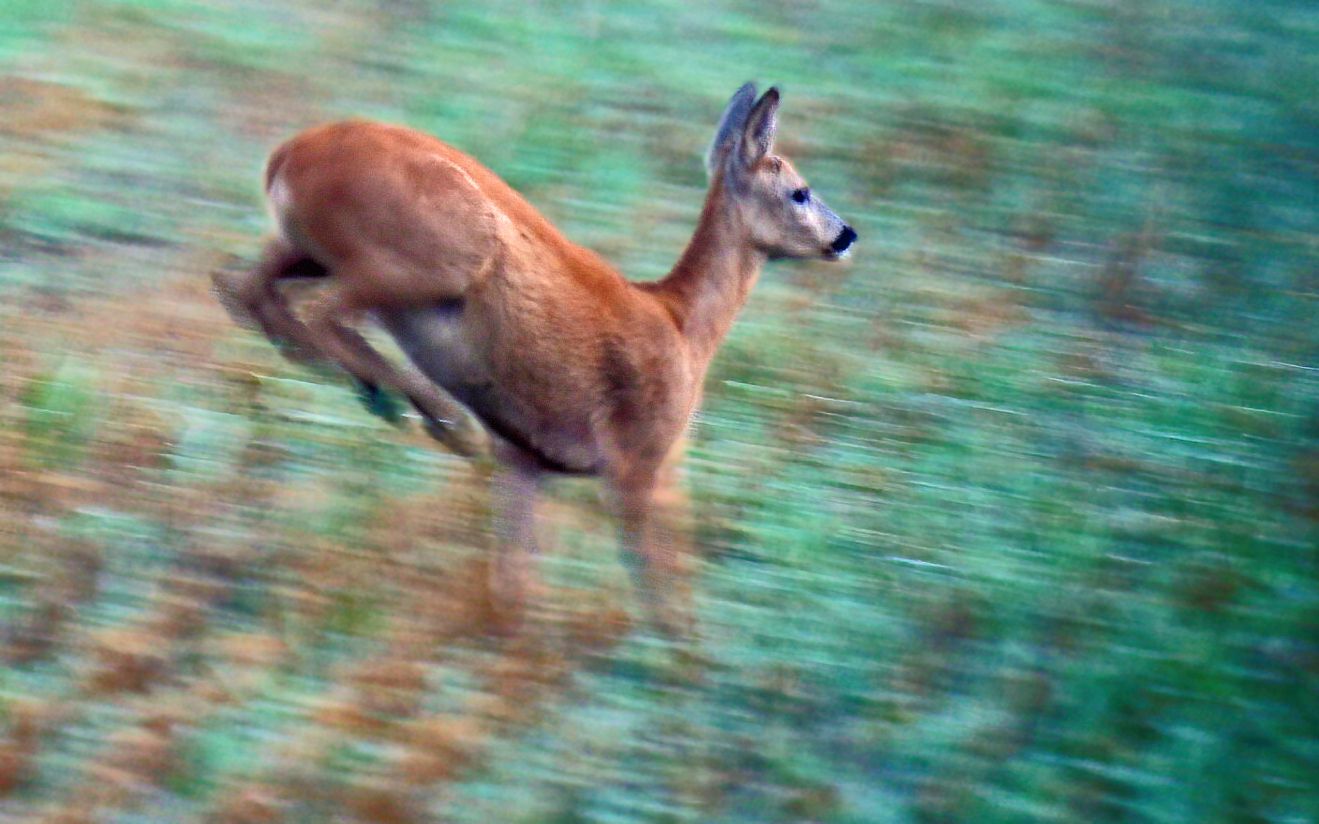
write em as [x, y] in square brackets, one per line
[514, 486]
[329, 325]
[655, 515]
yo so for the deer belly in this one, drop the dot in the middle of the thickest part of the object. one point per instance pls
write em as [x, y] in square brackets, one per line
[439, 343]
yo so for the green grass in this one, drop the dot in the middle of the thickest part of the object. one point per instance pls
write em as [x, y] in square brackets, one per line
[993, 529]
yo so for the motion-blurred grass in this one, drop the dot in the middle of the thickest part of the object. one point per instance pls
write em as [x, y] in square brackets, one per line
[1010, 518]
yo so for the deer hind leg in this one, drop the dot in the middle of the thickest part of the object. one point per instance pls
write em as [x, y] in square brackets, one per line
[329, 327]
[253, 299]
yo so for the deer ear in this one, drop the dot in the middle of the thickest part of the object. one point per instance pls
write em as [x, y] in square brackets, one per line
[730, 127]
[761, 125]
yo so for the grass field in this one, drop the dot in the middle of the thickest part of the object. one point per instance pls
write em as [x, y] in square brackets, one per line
[1010, 518]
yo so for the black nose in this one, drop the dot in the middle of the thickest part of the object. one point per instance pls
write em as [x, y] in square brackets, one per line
[843, 240]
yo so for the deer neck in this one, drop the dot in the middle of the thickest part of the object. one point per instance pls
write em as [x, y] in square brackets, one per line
[711, 280]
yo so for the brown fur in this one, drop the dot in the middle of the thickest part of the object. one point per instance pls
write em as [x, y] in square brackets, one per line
[566, 365]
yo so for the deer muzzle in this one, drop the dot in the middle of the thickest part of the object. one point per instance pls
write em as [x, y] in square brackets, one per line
[843, 242]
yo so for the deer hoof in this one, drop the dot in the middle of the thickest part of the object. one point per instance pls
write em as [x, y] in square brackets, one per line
[461, 437]
[226, 287]
[379, 402]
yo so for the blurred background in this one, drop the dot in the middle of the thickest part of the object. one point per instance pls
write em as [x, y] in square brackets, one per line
[1010, 518]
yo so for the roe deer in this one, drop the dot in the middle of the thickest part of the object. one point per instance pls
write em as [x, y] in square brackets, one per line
[524, 346]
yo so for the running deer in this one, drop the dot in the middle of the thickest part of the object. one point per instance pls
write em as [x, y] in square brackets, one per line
[524, 347]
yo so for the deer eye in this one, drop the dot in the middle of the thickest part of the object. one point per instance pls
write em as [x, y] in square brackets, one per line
[801, 195]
